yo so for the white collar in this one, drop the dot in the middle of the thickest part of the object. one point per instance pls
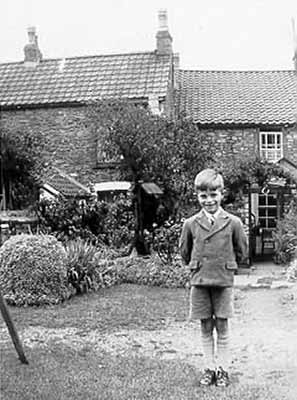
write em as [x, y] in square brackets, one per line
[210, 216]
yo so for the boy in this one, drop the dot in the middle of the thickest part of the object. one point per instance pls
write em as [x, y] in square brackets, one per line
[212, 244]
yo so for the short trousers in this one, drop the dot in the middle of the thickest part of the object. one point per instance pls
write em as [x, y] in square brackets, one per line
[206, 302]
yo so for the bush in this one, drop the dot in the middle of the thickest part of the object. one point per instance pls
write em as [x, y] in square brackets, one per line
[149, 271]
[67, 219]
[285, 238]
[80, 263]
[33, 270]
[109, 223]
[153, 272]
[165, 241]
[119, 223]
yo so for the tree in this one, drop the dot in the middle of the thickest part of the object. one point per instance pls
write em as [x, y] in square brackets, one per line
[21, 163]
[148, 147]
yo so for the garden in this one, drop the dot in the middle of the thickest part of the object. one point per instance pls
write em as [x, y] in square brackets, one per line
[97, 289]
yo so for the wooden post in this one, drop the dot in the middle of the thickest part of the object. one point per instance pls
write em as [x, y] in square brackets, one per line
[12, 331]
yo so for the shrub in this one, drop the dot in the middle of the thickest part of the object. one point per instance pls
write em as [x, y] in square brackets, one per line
[33, 271]
[153, 272]
[80, 263]
[285, 238]
[67, 219]
[118, 225]
[165, 241]
[149, 271]
[110, 223]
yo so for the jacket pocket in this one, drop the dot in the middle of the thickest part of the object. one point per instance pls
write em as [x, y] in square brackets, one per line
[231, 265]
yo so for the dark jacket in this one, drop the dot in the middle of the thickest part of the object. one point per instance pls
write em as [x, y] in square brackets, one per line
[213, 252]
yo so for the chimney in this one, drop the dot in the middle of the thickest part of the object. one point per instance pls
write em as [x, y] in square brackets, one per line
[32, 53]
[176, 61]
[176, 67]
[164, 39]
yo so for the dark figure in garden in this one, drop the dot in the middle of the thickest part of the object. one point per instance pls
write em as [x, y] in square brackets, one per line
[212, 244]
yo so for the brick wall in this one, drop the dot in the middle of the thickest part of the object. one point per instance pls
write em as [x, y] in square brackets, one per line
[290, 144]
[234, 141]
[245, 141]
[73, 148]
[69, 145]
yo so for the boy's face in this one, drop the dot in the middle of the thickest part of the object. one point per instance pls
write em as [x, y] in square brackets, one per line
[210, 199]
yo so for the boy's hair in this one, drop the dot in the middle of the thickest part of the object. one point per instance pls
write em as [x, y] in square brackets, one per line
[209, 179]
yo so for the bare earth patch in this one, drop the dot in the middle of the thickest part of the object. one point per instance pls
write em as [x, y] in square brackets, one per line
[264, 344]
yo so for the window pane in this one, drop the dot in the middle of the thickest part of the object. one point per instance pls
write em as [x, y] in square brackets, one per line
[262, 212]
[272, 200]
[271, 223]
[262, 222]
[262, 200]
[271, 139]
[272, 212]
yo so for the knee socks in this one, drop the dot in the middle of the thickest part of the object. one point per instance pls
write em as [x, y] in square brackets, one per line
[208, 346]
[208, 349]
[223, 349]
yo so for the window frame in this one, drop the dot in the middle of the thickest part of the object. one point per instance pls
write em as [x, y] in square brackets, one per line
[265, 207]
[265, 151]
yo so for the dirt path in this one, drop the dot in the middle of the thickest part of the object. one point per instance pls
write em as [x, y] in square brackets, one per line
[264, 339]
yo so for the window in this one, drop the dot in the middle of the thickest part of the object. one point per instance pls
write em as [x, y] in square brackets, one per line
[271, 146]
[267, 210]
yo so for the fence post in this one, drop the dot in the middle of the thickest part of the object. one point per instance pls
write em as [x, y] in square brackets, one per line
[12, 331]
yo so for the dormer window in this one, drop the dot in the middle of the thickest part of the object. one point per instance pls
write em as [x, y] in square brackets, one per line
[271, 146]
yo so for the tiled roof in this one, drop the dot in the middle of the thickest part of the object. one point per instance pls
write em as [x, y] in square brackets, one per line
[65, 184]
[238, 97]
[81, 79]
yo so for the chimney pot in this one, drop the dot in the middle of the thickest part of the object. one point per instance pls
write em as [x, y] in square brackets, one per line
[163, 24]
[164, 39]
[32, 53]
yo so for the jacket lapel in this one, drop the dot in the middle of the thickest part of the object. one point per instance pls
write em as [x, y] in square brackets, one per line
[203, 221]
[222, 220]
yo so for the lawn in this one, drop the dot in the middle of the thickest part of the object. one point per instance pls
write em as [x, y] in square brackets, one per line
[121, 343]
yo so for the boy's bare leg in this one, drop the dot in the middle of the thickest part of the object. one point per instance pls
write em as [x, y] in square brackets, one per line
[222, 329]
[207, 327]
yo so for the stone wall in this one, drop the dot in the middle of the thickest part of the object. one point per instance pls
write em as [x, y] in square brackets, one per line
[73, 148]
[230, 142]
[245, 142]
[68, 143]
[290, 144]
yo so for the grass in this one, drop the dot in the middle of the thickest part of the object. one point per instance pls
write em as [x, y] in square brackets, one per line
[63, 372]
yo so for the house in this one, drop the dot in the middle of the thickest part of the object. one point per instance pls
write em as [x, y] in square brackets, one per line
[247, 112]
[49, 96]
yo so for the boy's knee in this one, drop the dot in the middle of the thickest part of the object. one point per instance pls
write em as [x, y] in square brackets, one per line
[221, 325]
[207, 326]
